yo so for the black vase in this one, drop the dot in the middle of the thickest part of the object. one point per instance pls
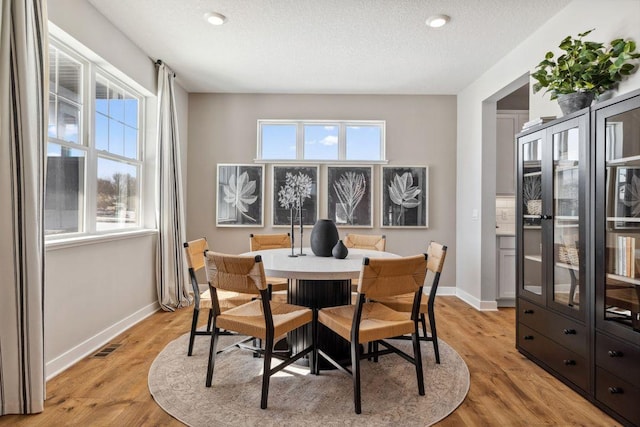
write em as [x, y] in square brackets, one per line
[340, 251]
[324, 237]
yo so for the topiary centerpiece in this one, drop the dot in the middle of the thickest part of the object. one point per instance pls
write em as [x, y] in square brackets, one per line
[586, 69]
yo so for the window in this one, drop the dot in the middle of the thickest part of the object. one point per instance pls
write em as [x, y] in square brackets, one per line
[94, 149]
[321, 140]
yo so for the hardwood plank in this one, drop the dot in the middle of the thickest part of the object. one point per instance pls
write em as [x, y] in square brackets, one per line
[506, 388]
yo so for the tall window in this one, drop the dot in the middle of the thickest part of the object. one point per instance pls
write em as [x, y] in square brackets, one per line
[94, 149]
[321, 141]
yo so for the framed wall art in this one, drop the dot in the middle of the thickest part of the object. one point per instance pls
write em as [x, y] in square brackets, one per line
[350, 195]
[240, 195]
[405, 192]
[295, 192]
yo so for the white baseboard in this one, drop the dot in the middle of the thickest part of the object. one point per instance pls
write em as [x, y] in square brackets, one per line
[65, 360]
[475, 302]
[442, 290]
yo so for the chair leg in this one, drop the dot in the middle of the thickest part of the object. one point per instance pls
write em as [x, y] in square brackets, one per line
[423, 322]
[268, 349]
[209, 320]
[355, 369]
[417, 356]
[434, 335]
[212, 355]
[192, 335]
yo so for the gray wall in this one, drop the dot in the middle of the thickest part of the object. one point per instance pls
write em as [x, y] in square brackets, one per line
[99, 286]
[420, 130]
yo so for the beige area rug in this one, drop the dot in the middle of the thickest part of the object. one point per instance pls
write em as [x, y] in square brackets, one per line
[296, 398]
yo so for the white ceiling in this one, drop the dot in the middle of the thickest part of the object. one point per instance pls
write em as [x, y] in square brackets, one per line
[328, 46]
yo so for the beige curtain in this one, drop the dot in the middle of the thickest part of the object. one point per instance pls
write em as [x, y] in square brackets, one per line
[23, 116]
[171, 270]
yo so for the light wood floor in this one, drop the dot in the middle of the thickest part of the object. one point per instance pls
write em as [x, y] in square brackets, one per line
[506, 388]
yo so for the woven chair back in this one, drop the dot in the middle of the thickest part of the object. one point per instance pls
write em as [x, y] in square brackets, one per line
[384, 277]
[436, 253]
[365, 241]
[259, 242]
[235, 273]
[195, 253]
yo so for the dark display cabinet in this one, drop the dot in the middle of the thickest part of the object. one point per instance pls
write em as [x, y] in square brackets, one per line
[617, 262]
[578, 252]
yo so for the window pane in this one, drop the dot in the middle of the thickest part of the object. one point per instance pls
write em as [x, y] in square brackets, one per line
[321, 142]
[102, 132]
[116, 104]
[131, 111]
[68, 121]
[69, 75]
[64, 193]
[278, 141]
[363, 142]
[130, 142]
[116, 137]
[117, 198]
[52, 132]
[102, 97]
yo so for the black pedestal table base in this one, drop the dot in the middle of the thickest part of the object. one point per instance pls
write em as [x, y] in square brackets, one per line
[318, 294]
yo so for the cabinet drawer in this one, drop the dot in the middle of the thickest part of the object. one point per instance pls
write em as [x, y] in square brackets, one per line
[619, 358]
[564, 331]
[565, 362]
[619, 395]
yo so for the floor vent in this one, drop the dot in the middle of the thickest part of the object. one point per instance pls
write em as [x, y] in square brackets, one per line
[107, 350]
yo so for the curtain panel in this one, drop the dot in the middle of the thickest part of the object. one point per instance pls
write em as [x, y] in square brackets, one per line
[23, 116]
[171, 269]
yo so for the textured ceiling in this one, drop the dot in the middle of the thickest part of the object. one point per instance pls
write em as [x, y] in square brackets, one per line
[328, 46]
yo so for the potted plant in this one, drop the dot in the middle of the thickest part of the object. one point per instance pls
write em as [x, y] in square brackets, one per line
[585, 69]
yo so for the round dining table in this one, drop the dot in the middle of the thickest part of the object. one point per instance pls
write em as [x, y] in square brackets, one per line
[317, 282]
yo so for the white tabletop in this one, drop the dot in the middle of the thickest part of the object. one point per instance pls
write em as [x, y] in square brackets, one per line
[277, 263]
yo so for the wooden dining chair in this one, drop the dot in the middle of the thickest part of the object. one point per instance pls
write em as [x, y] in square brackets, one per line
[202, 299]
[259, 318]
[368, 321]
[278, 286]
[374, 242]
[437, 254]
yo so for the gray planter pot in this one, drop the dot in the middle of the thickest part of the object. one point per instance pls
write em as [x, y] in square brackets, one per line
[575, 101]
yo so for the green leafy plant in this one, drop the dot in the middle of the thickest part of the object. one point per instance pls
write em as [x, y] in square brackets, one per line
[585, 66]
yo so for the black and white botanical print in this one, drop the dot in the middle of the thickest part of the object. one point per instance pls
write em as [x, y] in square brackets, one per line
[404, 196]
[295, 192]
[349, 195]
[240, 195]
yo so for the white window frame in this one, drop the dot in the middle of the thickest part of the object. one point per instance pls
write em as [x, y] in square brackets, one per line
[342, 142]
[86, 143]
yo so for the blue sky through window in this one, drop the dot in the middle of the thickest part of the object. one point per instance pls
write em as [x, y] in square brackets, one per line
[279, 141]
[321, 142]
[363, 142]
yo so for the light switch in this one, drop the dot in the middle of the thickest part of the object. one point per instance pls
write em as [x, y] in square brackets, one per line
[504, 214]
[474, 214]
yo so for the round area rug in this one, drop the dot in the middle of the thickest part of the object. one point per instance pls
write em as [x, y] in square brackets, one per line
[389, 389]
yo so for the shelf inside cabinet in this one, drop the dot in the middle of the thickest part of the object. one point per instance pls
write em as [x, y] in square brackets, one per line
[622, 219]
[538, 173]
[631, 280]
[536, 258]
[623, 160]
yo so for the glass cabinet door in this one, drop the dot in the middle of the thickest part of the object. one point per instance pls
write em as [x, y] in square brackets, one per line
[568, 288]
[532, 277]
[618, 297]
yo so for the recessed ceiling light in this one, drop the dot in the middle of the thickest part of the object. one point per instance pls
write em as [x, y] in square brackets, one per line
[214, 18]
[437, 21]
